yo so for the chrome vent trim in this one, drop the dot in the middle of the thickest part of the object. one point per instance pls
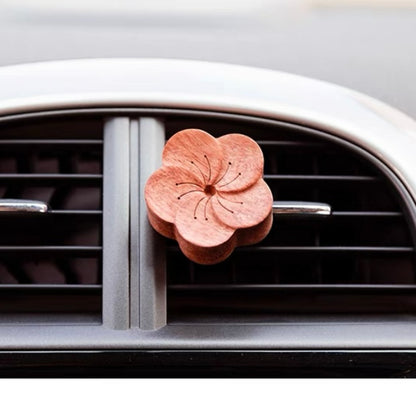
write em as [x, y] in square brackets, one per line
[23, 206]
[301, 208]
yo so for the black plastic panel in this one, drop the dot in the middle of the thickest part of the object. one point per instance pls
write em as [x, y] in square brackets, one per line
[209, 363]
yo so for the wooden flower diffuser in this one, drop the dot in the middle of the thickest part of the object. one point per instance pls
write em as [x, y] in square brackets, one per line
[209, 194]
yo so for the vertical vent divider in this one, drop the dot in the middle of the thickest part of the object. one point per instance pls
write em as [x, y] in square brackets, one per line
[134, 224]
[151, 261]
[116, 290]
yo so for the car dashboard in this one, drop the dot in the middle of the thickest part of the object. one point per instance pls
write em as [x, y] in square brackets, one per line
[88, 288]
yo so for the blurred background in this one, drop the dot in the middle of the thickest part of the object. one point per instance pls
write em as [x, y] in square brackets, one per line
[367, 45]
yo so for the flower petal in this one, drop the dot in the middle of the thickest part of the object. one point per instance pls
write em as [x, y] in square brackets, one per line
[243, 209]
[162, 191]
[207, 255]
[196, 223]
[197, 151]
[244, 160]
[250, 236]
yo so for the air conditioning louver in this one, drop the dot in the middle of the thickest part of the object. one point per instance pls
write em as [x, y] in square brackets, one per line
[361, 259]
[51, 263]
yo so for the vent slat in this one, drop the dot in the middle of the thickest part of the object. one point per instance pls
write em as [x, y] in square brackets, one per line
[75, 212]
[286, 143]
[330, 249]
[286, 287]
[44, 301]
[274, 306]
[51, 249]
[50, 287]
[50, 177]
[367, 214]
[48, 142]
[316, 177]
[319, 249]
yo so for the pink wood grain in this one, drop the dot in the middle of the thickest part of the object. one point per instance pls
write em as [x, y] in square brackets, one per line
[209, 194]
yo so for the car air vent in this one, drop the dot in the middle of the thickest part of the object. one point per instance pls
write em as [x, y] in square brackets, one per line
[50, 263]
[359, 260]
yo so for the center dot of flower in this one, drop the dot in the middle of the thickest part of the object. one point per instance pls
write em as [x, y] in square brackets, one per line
[210, 190]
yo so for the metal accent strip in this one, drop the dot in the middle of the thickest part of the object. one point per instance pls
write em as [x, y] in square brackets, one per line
[152, 262]
[301, 208]
[23, 206]
[116, 290]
